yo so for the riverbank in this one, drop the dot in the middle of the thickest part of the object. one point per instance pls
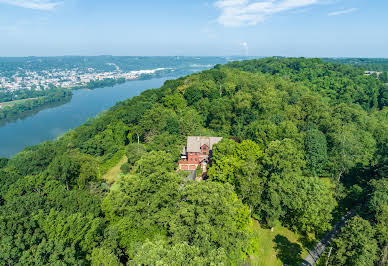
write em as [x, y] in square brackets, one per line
[19, 109]
[53, 121]
[12, 103]
[13, 109]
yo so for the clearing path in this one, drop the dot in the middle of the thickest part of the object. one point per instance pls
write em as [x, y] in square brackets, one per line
[112, 175]
[319, 248]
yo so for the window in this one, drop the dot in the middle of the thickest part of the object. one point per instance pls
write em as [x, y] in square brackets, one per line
[196, 159]
[204, 148]
[191, 159]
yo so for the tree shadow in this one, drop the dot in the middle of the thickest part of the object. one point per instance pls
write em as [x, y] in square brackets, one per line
[289, 253]
[307, 242]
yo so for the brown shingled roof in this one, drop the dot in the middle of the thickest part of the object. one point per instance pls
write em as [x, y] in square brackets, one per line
[194, 143]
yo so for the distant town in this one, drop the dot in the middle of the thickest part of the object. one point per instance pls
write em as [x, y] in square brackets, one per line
[70, 78]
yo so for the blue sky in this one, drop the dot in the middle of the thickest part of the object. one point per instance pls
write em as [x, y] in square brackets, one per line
[321, 28]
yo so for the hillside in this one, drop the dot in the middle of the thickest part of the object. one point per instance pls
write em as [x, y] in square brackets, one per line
[303, 141]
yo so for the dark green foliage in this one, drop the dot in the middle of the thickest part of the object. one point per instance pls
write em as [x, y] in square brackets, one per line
[74, 168]
[315, 151]
[379, 196]
[83, 232]
[125, 168]
[383, 97]
[211, 209]
[3, 162]
[371, 64]
[192, 95]
[7, 178]
[34, 160]
[378, 208]
[50, 252]
[103, 83]
[384, 77]
[19, 230]
[355, 244]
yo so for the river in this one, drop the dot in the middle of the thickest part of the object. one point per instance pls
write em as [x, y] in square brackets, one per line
[50, 123]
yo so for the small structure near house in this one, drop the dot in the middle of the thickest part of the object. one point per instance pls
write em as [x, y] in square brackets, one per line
[197, 152]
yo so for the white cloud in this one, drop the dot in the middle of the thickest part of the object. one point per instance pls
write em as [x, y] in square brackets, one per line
[33, 4]
[246, 12]
[343, 12]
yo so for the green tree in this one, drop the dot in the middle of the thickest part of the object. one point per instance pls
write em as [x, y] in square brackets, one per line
[104, 257]
[210, 216]
[125, 168]
[74, 168]
[283, 158]
[315, 151]
[146, 199]
[50, 252]
[134, 152]
[153, 161]
[355, 245]
[3, 162]
[75, 230]
[160, 253]
[352, 146]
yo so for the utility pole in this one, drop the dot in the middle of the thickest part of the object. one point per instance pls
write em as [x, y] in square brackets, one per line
[328, 256]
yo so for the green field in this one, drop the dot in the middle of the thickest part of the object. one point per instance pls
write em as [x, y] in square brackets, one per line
[280, 247]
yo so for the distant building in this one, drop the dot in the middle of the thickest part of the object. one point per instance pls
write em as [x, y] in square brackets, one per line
[197, 152]
[368, 73]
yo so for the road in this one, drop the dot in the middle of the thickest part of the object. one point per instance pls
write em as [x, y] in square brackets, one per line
[319, 248]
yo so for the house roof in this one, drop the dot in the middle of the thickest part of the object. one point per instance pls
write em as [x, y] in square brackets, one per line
[194, 143]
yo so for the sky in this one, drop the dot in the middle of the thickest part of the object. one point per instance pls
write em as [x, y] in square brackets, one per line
[310, 28]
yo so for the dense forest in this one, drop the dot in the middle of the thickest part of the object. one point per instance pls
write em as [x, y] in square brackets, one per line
[94, 84]
[50, 96]
[304, 142]
[375, 64]
[8, 96]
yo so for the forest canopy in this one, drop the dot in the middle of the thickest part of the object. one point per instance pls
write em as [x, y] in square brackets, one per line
[303, 140]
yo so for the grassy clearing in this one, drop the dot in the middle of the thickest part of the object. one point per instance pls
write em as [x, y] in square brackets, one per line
[113, 173]
[12, 103]
[279, 247]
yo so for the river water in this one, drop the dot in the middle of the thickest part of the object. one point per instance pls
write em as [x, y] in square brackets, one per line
[53, 122]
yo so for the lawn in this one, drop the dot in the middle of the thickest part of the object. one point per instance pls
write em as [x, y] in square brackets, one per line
[280, 247]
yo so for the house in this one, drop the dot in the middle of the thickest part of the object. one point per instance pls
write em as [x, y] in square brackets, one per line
[197, 152]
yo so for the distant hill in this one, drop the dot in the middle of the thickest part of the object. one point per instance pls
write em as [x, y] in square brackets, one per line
[375, 64]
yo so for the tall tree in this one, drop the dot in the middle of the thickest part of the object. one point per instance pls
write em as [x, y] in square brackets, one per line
[355, 244]
[316, 151]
